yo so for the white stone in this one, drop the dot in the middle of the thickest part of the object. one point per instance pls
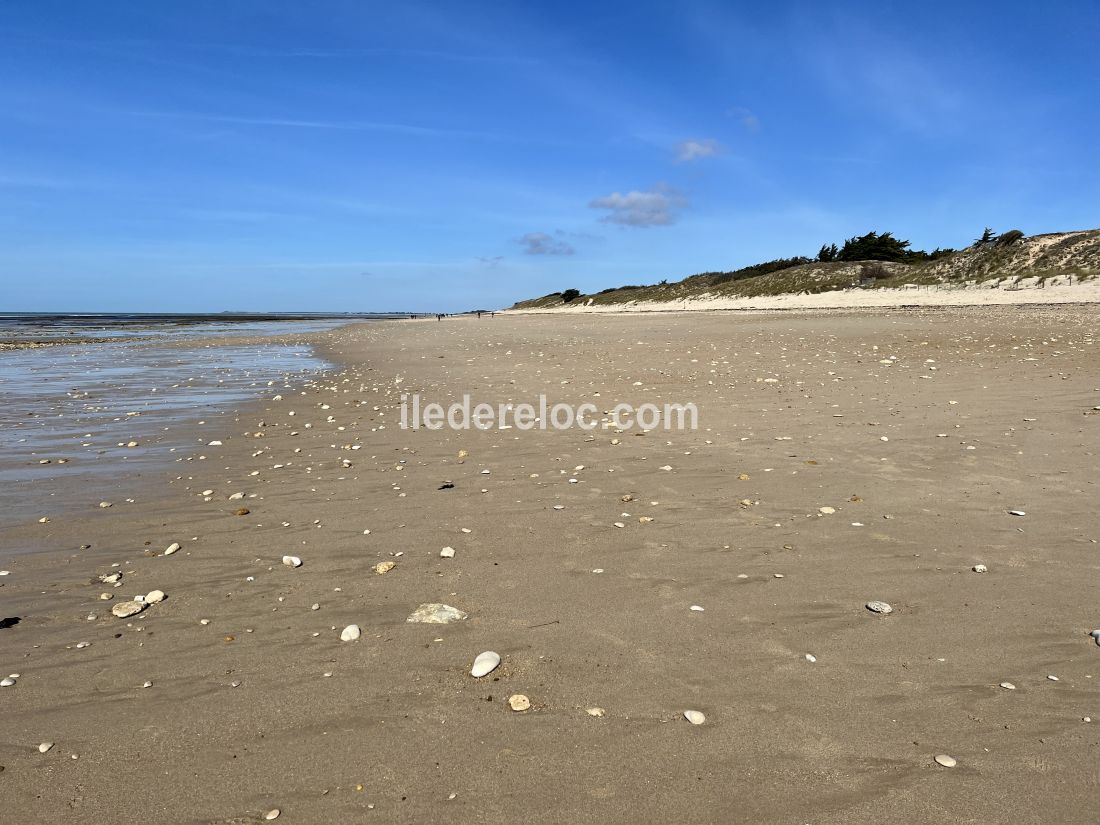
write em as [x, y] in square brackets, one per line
[980, 568]
[45, 747]
[597, 712]
[7, 682]
[436, 613]
[945, 760]
[155, 596]
[292, 561]
[1008, 686]
[447, 553]
[695, 717]
[879, 607]
[174, 547]
[519, 703]
[272, 814]
[350, 633]
[1017, 513]
[485, 664]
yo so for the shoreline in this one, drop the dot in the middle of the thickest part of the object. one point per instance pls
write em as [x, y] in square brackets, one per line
[265, 707]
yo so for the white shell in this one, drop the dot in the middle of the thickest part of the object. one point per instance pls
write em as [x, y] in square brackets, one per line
[174, 547]
[350, 633]
[447, 553]
[7, 682]
[1017, 513]
[485, 664]
[879, 607]
[292, 561]
[980, 568]
[519, 703]
[945, 760]
[695, 717]
[45, 747]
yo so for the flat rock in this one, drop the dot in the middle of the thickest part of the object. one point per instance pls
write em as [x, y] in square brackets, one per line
[155, 596]
[519, 703]
[436, 613]
[880, 607]
[945, 760]
[124, 609]
[292, 561]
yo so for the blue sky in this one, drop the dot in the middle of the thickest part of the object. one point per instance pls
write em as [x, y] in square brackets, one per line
[267, 155]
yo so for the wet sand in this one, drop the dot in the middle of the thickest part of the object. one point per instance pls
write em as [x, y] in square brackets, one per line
[920, 430]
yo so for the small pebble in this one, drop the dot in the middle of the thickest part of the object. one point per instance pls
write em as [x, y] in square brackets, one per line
[350, 633]
[518, 702]
[945, 760]
[980, 568]
[45, 747]
[485, 664]
[879, 607]
[695, 717]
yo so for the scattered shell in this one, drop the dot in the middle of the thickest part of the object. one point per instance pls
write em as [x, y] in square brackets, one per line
[350, 633]
[45, 747]
[7, 682]
[811, 658]
[945, 760]
[384, 567]
[827, 511]
[879, 607]
[272, 814]
[292, 561]
[124, 609]
[447, 553]
[155, 596]
[485, 664]
[436, 613]
[1017, 513]
[518, 702]
[597, 712]
[695, 717]
[980, 568]
[174, 547]
[1008, 686]
[697, 608]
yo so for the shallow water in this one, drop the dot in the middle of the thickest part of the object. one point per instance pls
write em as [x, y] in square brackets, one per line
[78, 406]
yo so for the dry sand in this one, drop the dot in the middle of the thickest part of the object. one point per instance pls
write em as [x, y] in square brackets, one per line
[985, 411]
[1025, 291]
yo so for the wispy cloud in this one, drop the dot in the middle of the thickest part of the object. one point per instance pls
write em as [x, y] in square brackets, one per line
[746, 117]
[490, 262]
[656, 207]
[540, 243]
[690, 150]
[298, 123]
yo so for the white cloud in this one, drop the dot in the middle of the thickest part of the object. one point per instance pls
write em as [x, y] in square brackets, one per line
[540, 243]
[691, 150]
[656, 207]
[747, 117]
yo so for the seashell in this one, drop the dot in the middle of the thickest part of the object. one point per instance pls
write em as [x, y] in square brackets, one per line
[447, 553]
[350, 633]
[519, 703]
[292, 561]
[272, 814]
[980, 568]
[45, 747]
[695, 717]
[174, 547]
[7, 682]
[124, 609]
[945, 760]
[1017, 513]
[485, 664]
[597, 712]
[384, 567]
[879, 607]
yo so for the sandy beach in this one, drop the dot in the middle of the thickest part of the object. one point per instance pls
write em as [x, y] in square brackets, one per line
[841, 458]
